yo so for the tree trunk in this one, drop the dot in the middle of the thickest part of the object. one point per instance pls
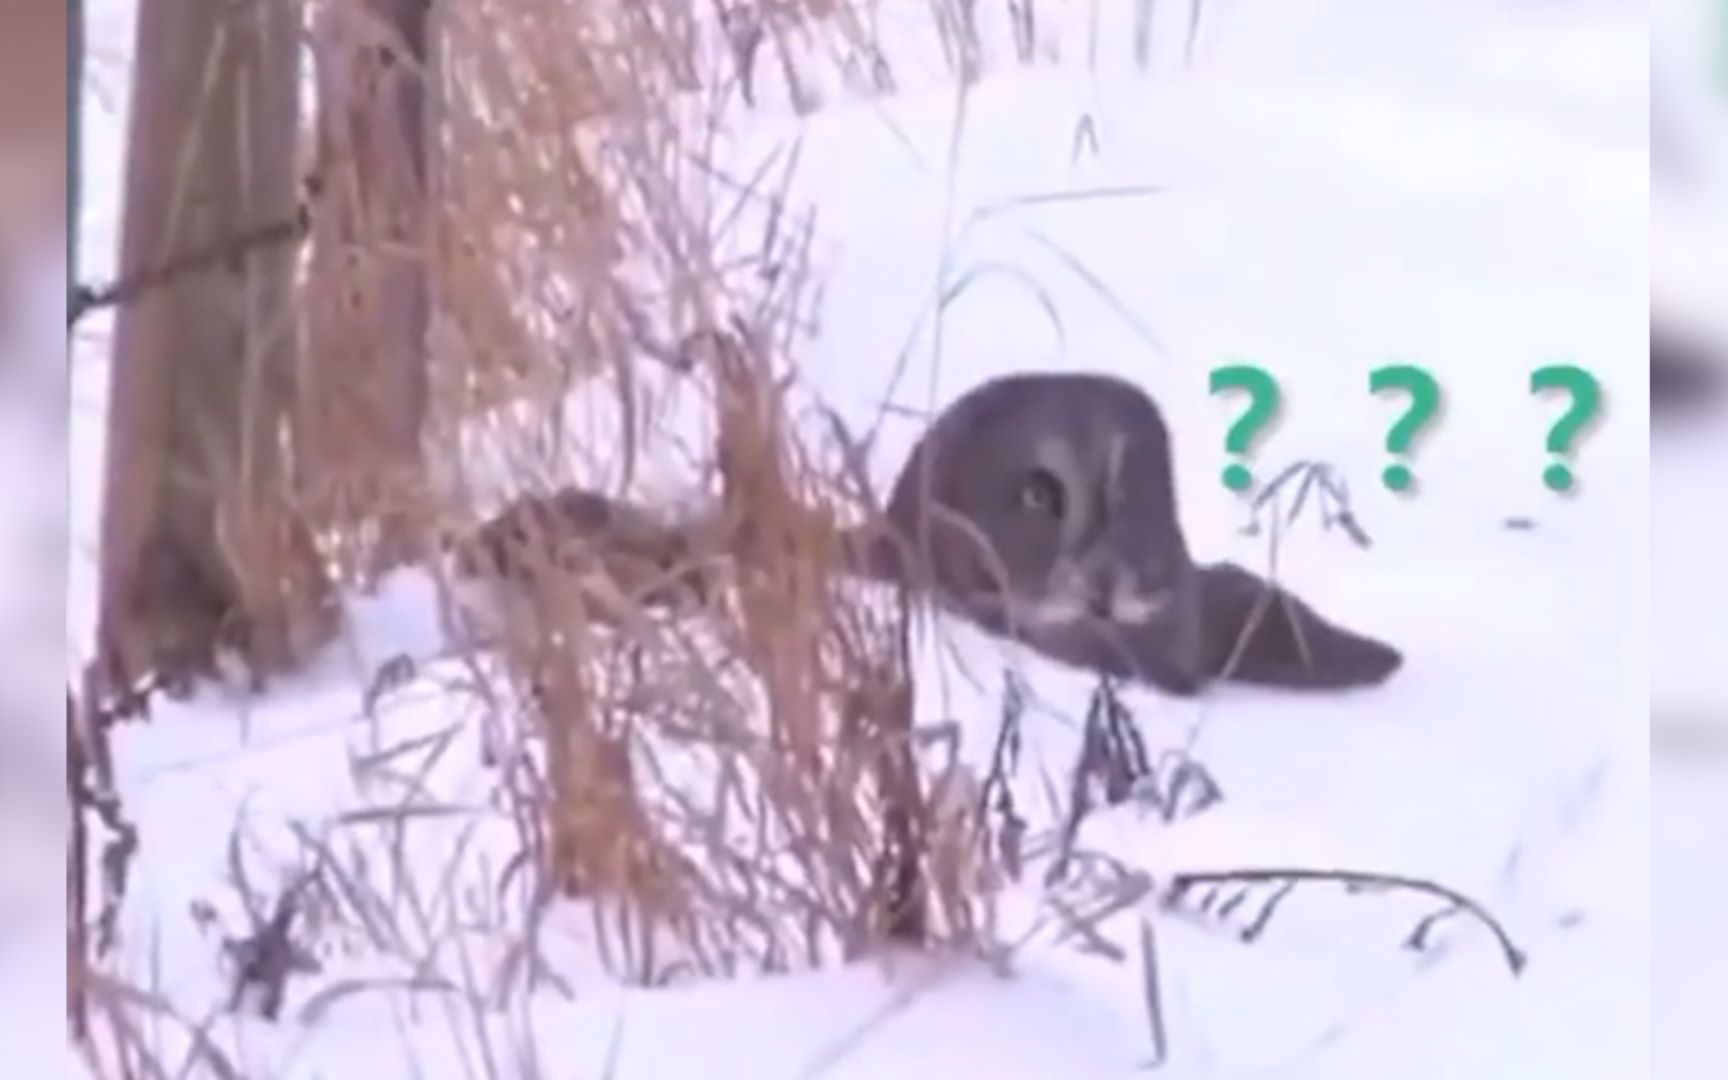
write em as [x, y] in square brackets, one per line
[199, 548]
[32, 141]
[363, 380]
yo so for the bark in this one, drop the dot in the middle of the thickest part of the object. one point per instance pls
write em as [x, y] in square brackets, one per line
[363, 381]
[199, 549]
[33, 122]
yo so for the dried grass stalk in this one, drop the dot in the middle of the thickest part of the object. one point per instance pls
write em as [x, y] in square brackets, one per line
[707, 724]
[361, 390]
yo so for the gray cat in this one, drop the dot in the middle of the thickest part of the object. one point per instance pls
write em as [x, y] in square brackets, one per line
[1041, 507]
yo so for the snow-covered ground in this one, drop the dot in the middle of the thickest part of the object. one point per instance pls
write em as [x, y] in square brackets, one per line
[1334, 185]
[1689, 825]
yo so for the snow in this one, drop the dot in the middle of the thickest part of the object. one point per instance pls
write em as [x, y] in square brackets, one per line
[1333, 186]
[1689, 823]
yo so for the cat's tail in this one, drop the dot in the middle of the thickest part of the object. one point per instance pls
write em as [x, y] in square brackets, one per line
[1261, 634]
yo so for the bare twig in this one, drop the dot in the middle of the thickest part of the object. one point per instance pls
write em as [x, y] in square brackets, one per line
[266, 958]
[1112, 754]
[1357, 880]
[226, 251]
[77, 878]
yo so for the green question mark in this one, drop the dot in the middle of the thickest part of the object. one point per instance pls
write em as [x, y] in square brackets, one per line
[1264, 400]
[1424, 403]
[1586, 394]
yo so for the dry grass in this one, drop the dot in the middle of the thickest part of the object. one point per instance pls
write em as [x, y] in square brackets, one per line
[737, 785]
[733, 786]
[734, 782]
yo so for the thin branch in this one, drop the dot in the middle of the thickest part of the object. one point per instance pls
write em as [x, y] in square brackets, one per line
[228, 250]
[1356, 879]
[77, 879]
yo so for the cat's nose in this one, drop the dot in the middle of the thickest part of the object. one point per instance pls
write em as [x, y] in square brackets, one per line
[1119, 595]
[1100, 602]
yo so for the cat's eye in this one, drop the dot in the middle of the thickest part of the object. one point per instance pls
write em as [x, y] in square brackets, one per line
[1041, 493]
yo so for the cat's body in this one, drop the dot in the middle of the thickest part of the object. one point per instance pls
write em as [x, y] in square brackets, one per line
[1043, 508]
